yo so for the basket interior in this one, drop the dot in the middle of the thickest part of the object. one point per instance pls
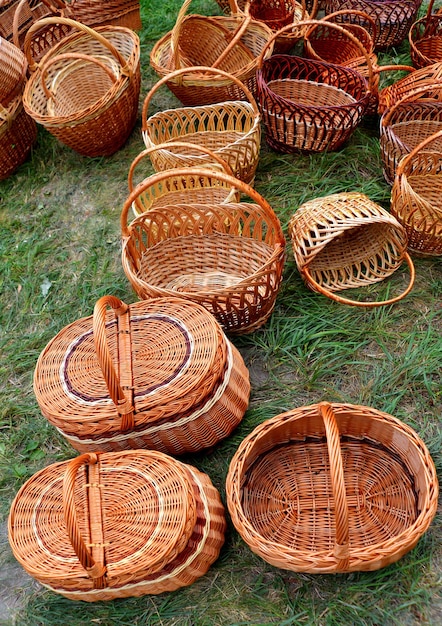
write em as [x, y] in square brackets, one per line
[412, 132]
[311, 94]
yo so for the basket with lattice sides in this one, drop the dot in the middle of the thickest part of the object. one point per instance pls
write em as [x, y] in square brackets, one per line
[330, 488]
[157, 374]
[425, 39]
[416, 196]
[117, 524]
[346, 240]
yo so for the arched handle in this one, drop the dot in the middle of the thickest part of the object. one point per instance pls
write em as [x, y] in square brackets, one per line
[123, 403]
[329, 17]
[61, 7]
[406, 159]
[96, 571]
[333, 296]
[411, 96]
[203, 69]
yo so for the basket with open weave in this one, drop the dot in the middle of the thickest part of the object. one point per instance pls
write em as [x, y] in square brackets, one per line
[85, 90]
[345, 240]
[425, 38]
[416, 196]
[231, 129]
[18, 133]
[332, 488]
[117, 524]
[156, 374]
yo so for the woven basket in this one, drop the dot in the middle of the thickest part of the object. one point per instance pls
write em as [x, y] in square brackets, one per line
[345, 240]
[85, 91]
[427, 77]
[157, 374]
[18, 133]
[332, 488]
[425, 38]
[95, 13]
[416, 196]
[115, 525]
[309, 105]
[230, 129]
[13, 67]
[228, 257]
[232, 44]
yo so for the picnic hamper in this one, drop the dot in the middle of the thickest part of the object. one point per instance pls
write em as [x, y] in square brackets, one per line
[13, 67]
[345, 240]
[117, 524]
[156, 374]
[18, 133]
[416, 196]
[309, 105]
[330, 488]
[231, 129]
[425, 38]
[85, 90]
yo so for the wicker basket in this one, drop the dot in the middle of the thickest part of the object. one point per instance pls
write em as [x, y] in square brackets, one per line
[345, 240]
[232, 44]
[228, 257]
[18, 133]
[85, 91]
[157, 374]
[230, 129]
[427, 77]
[416, 196]
[332, 488]
[309, 105]
[425, 38]
[13, 67]
[95, 13]
[117, 524]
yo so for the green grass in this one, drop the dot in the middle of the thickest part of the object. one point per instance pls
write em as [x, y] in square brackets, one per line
[60, 251]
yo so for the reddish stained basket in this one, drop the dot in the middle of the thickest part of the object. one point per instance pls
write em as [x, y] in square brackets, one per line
[425, 39]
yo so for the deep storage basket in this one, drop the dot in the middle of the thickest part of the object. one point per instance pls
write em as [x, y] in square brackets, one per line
[425, 38]
[345, 240]
[332, 488]
[158, 374]
[18, 133]
[228, 257]
[117, 524]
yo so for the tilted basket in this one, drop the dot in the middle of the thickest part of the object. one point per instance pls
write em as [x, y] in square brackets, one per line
[416, 196]
[117, 524]
[345, 240]
[332, 488]
[158, 374]
[231, 129]
[425, 39]
[85, 90]
[415, 79]
[18, 133]
[228, 257]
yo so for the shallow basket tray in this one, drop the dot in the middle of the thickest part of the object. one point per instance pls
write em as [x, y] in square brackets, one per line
[332, 488]
[18, 133]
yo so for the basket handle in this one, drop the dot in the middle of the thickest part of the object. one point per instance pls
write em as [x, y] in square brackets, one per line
[408, 157]
[195, 70]
[333, 296]
[411, 96]
[123, 401]
[95, 569]
[366, 16]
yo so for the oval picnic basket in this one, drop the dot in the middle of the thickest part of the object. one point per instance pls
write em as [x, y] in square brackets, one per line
[116, 525]
[158, 374]
[332, 488]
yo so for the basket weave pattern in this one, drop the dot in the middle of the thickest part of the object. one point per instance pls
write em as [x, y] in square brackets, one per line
[18, 133]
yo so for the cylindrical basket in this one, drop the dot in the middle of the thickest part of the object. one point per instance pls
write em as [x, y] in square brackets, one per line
[425, 38]
[117, 524]
[345, 240]
[18, 133]
[159, 375]
[332, 488]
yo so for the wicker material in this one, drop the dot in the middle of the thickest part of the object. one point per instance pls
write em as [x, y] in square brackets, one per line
[416, 196]
[115, 525]
[425, 38]
[227, 257]
[332, 488]
[95, 13]
[18, 133]
[13, 67]
[345, 240]
[232, 44]
[427, 76]
[157, 374]
[230, 129]
[309, 105]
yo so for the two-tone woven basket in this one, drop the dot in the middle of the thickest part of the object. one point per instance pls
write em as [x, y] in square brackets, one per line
[18, 133]
[117, 524]
[158, 374]
[332, 488]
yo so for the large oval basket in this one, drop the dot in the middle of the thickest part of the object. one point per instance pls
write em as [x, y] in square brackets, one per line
[117, 524]
[332, 488]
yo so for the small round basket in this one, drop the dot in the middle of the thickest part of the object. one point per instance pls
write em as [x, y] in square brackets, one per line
[117, 524]
[18, 133]
[425, 38]
[332, 488]
[345, 240]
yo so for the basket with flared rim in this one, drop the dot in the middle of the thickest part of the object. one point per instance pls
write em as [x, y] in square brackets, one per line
[114, 525]
[416, 196]
[86, 85]
[415, 79]
[228, 257]
[332, 488]
[231, 129]
[233, 44]
[308, 105]
[157, 374]
[345, 240]
[18, 133]
[425, 39]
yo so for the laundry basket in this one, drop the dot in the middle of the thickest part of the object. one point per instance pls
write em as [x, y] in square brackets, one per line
[345, 240]
[332, 488]
[425, 39]
[18, 133]
[117, 524]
